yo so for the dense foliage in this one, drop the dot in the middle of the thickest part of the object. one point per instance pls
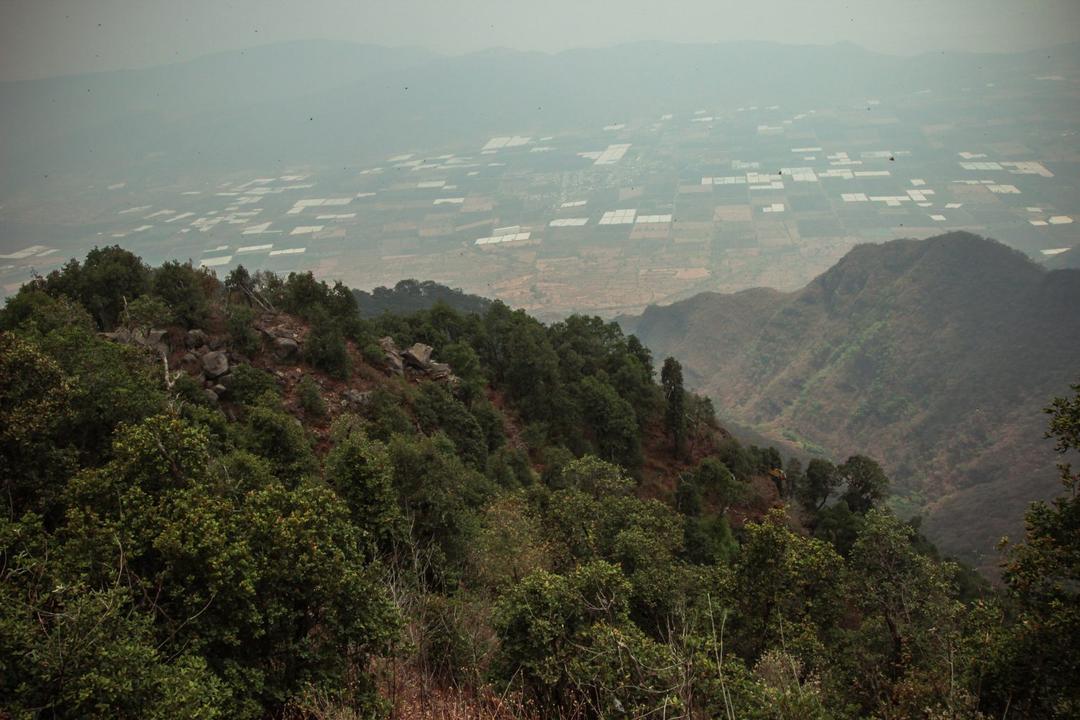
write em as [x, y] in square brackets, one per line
[168, 555]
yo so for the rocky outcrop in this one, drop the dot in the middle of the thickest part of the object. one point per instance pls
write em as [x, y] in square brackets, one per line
[285, 335]
[205, 357]
[417, 360]
[440, 372]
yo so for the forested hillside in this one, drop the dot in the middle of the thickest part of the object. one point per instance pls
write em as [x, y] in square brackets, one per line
[241, 499]
[935, 356]
[409, 296]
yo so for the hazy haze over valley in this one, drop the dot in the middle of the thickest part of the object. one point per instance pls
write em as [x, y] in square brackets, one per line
[743, 164]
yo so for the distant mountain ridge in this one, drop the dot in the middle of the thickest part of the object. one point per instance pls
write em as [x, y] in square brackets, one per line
[935, 356]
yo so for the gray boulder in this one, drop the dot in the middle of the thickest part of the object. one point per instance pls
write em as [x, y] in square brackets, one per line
[418, 356]
[355, 399]
[215, 364]
[195, 338]
[286, 348]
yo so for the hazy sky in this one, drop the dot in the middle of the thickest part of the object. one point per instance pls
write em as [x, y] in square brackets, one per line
[40, 38]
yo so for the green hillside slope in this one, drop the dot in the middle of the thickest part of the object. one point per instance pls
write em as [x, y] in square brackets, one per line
[934, 356]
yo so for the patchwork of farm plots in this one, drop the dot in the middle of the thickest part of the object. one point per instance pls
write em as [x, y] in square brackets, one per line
[607, 220]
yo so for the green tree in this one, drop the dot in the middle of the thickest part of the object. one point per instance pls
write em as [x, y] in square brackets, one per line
[708, 540]
[736, 458]
[146, 312]
[639, 351]
[107, 278]
[817, 484]
[793, 477]
[440, 499]
[671, 378]
[523, 362]
[303, 295]
[688, 497]
[596, 477]
[634, 383]
[465, 363]
[785, 583]
[542, 624]
[612, 422]
[68, 650]
[865, 483]
[1032, 664]
[439, 411]
[34, 398]
[110, 384]
[910, 631]
[718, 483]
[701, 425]
[509, 545]
[271, 433]
[839, 526]
[360, 471]
[185, 290]
[510, 468]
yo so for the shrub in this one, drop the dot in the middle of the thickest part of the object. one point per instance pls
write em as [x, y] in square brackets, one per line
[325, 347]
[311, 399]
[248, 383]
[242, 336]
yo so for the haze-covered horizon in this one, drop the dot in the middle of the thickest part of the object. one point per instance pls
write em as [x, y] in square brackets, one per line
[39, 40]
[431, 54]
